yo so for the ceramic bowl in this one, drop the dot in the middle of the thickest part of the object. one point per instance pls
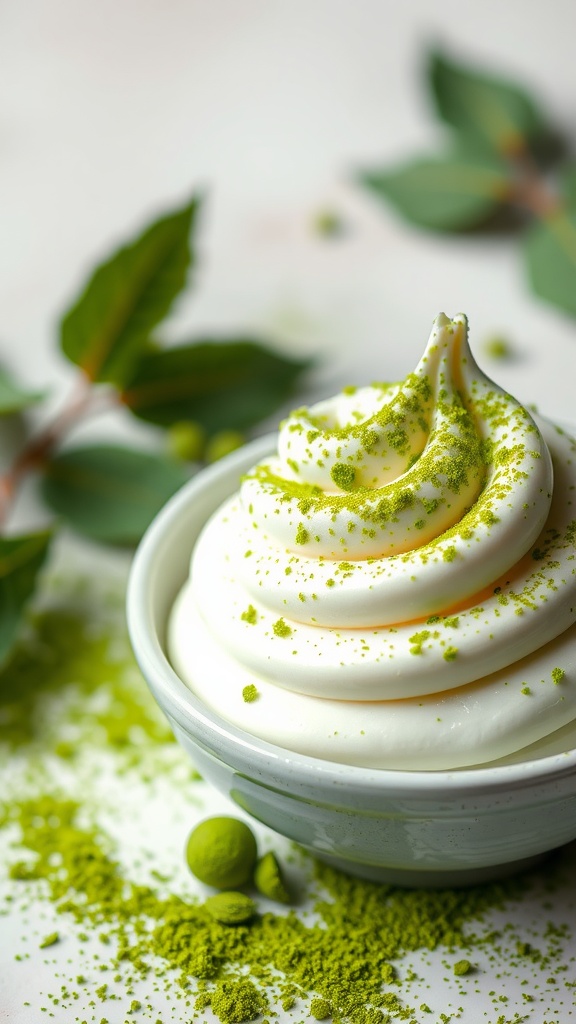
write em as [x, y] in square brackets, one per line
[410, 828]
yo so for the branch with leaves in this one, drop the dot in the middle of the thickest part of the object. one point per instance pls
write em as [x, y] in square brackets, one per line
[194, 390]
[503, 156]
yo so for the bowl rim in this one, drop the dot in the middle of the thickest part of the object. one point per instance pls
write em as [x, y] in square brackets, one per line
[179, 701]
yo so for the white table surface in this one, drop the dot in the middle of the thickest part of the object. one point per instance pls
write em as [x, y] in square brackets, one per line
[111, 111]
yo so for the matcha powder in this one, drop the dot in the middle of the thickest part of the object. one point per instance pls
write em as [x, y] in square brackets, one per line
[345, 963]
[156, 946]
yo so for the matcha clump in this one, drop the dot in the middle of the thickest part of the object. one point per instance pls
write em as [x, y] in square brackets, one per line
[302, 535]
[250, 615]
[344, 476]
[269, 880]
[320, 1009]
[250, 693]
[234, 1002]
[221, 852]
[282, 629]
[230, 907]
[462, 967]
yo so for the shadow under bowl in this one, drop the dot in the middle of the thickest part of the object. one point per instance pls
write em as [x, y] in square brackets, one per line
[421, 828]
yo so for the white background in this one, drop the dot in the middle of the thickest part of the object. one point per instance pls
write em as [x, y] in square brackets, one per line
[113, 110]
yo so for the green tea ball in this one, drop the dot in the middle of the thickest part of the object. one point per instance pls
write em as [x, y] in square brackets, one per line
[328, 224]
[268, 879]
[230, 907]
[222, 443]
[221, 852]
[498, 348]
[186, 441]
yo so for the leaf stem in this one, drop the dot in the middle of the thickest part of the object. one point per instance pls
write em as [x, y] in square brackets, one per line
[530, 190]
[85, 401]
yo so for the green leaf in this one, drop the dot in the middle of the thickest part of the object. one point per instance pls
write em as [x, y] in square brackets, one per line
[111, 494]
[550, 251]
[484, 109]
[13, 398]
[127, 296]
[444, 193]
[226, 384]
[21, 559]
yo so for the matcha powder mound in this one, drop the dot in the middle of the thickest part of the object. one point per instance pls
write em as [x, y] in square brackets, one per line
[234, 1001]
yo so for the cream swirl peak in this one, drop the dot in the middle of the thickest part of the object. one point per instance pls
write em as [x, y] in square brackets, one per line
[393, 579]
[391, 468]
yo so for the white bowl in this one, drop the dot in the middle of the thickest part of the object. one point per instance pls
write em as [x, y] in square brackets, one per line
[411, 828]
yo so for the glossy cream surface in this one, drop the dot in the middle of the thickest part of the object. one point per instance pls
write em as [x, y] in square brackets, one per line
[398, 581]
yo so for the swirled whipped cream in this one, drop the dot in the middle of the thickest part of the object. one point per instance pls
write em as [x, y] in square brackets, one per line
[395, 587]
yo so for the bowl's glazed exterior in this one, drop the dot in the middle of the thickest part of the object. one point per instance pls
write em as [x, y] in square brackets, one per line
[412, 828]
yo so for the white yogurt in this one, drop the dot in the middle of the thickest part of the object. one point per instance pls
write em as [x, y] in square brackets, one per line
[399, 582]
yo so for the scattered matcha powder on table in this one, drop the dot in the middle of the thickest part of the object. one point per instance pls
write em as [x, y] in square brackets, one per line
[348, 959]
[88, 668]
[341, 957]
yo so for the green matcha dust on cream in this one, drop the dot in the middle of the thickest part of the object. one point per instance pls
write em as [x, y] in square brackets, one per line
[407, 553]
